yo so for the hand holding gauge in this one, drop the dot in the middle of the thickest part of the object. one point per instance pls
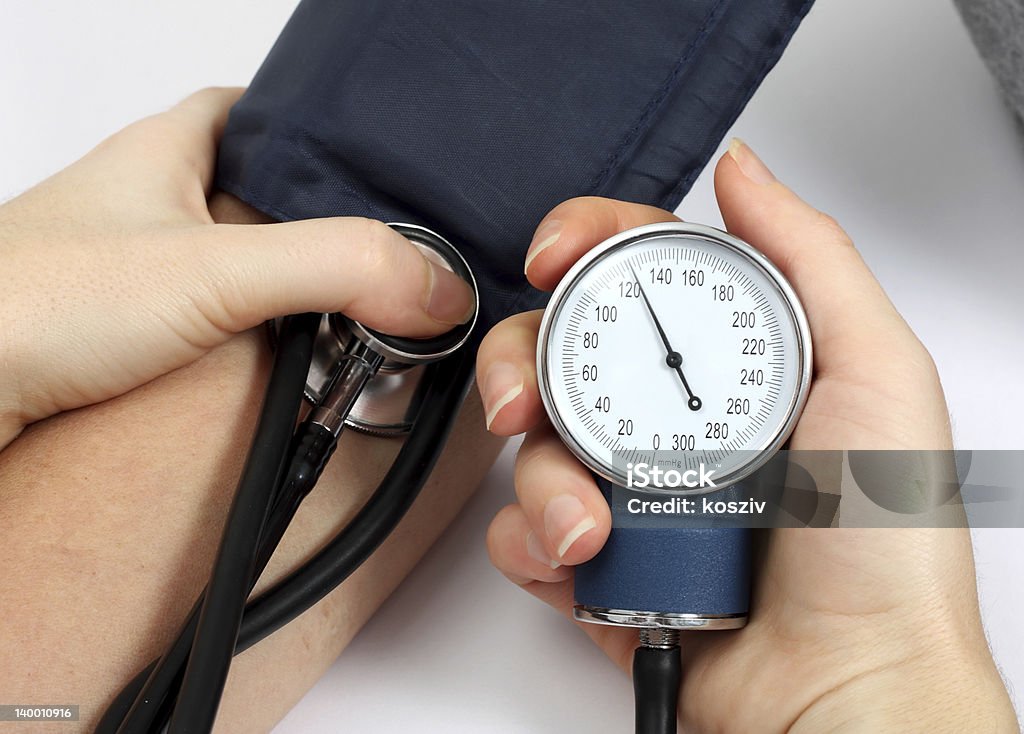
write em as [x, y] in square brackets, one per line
[823, 589]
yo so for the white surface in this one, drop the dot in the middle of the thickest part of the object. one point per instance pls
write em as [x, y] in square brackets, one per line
[881, 114]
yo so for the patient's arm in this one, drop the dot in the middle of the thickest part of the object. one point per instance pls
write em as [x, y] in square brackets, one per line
[112, 514]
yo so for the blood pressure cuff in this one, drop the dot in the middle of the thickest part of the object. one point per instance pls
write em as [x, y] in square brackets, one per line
[475, 117]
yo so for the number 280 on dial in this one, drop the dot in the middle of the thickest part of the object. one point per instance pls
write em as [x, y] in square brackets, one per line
[674, 345]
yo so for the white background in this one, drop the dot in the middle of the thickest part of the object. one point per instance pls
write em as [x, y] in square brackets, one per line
[881, 113]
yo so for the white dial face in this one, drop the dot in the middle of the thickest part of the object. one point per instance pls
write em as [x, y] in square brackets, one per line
[676, 351]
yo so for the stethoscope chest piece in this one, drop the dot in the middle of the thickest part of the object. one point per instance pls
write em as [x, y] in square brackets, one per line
[388, 402]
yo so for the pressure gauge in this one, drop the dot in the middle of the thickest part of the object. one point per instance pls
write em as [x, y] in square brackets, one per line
[675, 346]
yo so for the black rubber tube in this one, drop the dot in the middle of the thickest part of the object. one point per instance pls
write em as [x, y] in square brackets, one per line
[313, 447]
[292, 596]
[235, 564]
[379, 516]
[657, 674]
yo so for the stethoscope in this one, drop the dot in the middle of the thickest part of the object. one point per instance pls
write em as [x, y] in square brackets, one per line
[330, 362]
[671, 346]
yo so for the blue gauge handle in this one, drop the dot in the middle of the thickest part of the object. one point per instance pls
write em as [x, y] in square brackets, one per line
[671, 576]
[684, 571]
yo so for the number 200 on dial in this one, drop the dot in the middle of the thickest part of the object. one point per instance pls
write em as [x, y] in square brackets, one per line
[674, 345]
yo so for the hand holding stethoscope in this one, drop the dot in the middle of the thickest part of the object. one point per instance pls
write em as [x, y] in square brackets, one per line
[135, 280]
[903, 600]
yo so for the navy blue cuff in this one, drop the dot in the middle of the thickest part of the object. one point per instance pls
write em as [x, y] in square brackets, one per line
[476, 118]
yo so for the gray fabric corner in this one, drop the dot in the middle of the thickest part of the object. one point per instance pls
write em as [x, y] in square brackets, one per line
[997, 27]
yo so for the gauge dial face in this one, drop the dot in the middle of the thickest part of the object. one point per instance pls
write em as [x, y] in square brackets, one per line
[674, 346]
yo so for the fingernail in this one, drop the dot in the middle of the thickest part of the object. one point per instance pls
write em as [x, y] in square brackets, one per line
[565, 521]
[752, 166]
[451, 298]
[543, 238]
[502, 384]
[535, 549]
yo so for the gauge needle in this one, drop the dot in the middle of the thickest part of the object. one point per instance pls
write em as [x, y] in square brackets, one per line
[673, 358]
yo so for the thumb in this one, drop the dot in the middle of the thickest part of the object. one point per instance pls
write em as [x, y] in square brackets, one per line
[362, 267]
[852, 321]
